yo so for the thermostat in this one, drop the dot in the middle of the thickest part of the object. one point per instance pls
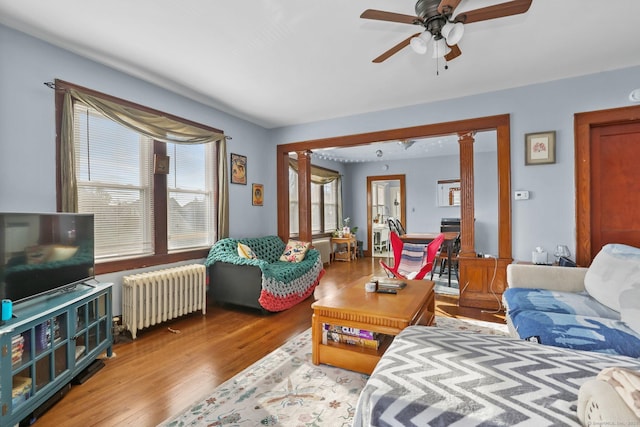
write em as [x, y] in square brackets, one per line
[521, 195]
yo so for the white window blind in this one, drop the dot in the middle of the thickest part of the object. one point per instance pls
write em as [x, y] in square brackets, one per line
[316, 208]
[114, 175]
[324, 206]
[331, 206]
[190, 208]
[294, 224]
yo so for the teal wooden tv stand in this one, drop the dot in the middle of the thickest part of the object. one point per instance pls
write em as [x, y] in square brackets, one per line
[51, 339]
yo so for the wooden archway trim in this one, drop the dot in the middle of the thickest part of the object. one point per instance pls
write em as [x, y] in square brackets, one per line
[499, 123]
[583, 123]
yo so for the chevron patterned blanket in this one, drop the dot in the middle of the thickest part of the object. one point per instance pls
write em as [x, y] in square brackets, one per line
[436, 377]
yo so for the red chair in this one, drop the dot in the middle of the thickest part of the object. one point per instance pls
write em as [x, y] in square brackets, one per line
[412, 261]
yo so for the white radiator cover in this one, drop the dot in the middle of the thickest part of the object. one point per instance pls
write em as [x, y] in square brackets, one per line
[157, 296]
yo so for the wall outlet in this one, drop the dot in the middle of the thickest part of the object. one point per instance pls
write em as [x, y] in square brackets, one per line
[521, 195]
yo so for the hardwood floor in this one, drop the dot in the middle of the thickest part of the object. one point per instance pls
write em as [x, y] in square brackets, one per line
[163, 372]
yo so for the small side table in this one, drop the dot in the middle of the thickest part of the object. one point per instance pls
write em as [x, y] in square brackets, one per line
[351, 248]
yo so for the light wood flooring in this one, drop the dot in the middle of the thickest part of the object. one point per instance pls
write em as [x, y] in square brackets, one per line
[163, 372]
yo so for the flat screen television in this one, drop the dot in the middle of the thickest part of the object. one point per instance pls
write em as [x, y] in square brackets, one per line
[44, 252]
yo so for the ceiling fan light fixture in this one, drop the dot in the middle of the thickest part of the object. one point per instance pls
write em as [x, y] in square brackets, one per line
[453, 32]
[440, 48]
[419, 43]
[405, 143]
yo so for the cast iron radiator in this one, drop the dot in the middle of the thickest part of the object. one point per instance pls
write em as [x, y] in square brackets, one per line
[157, 296]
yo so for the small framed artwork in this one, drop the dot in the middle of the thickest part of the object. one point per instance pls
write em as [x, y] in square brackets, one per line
[540, 148]
[238, 169]
[257, 194]
[160, 164]
[449, 192]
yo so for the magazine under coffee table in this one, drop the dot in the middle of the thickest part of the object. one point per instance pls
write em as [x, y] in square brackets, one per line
[384, 314]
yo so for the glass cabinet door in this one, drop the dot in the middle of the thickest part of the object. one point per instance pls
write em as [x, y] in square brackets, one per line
[38, 357]
[91, 325]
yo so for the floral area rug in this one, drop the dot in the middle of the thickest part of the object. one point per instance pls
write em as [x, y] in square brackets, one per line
[285, 388]
[472, 325]
[442, 285]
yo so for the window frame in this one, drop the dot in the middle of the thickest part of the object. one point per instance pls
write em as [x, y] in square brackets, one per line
[323, 226]
[161, 254]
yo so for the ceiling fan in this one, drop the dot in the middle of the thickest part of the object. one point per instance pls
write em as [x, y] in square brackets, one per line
[436, 16]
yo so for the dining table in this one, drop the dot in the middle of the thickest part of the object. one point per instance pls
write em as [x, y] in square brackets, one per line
[428, 237]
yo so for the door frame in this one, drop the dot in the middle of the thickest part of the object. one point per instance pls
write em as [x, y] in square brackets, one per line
[370, 180]
[583, 123]
[463, 128]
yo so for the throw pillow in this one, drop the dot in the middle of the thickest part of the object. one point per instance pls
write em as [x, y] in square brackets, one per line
[412, 259]
[630, 308]
[615, 269]
[295, 251]
[245, 251]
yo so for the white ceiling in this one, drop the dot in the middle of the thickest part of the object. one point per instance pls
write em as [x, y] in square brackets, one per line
[385, 151]
[284, 62]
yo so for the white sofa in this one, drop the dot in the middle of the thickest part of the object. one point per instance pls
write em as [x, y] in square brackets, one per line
[593, 309]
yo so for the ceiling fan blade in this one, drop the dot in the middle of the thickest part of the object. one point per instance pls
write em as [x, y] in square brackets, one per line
[381, 15]
[509, 8]
[455, 52]
[397, 48]
[448, 6]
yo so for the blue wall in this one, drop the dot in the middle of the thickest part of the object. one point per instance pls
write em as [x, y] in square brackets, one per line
[27, 129]
[548, 217]
[27, 134]
[421, 176]
[27, 138]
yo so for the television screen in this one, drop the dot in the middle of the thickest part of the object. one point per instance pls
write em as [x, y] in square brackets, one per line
[41, 253]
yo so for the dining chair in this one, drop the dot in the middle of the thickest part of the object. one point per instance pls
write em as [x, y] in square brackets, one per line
[392, 225]
[442, 258]
[412, 261]
[396, 226]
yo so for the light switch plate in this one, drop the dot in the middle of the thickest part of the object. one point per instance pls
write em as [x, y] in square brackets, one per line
[521, 195]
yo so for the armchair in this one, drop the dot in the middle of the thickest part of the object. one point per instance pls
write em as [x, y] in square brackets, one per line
[412, 261]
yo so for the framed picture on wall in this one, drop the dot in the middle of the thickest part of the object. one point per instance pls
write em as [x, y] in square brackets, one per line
[160, 164]
[238, 169]
[449, 192]
[540, 148]
[257, 194]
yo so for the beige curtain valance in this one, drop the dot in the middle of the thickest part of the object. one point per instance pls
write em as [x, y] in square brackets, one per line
[155, 126]
[318, 175]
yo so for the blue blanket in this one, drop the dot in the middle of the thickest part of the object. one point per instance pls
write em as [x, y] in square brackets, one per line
[520, 299]
[571, 320]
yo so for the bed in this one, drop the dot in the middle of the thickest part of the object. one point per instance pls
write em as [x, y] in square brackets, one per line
[431, 376]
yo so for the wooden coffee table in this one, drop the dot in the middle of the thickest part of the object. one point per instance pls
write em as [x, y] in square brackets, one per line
[386, 314]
